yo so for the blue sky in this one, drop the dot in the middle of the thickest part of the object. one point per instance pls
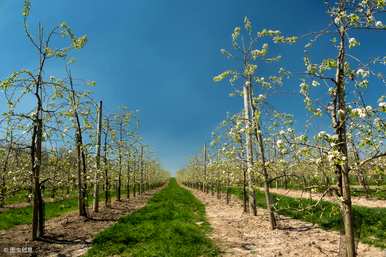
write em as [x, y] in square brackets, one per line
[159, 56]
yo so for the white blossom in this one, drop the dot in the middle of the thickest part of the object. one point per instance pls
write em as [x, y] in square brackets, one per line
[352, 42]
[363, 73]
[382, 106]
[377, 122]
[361, 112]
[315, 83]
[318, 112]
[261, 97]
[280, 143]
[322, 134]
[379, 24]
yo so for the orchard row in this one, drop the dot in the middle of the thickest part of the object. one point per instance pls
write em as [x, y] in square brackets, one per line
[261, 146]
[56, 139]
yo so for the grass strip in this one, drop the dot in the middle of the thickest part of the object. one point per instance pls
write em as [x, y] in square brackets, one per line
[172, 224]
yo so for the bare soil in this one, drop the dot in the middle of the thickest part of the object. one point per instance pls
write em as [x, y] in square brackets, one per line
[238, 234]
[70, 235]
[360, 201]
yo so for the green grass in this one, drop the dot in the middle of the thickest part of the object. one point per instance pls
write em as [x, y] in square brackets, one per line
[370, 223]
[376, 193]
[22, 196]
[18, 216]
[18, 197]
[172, 224]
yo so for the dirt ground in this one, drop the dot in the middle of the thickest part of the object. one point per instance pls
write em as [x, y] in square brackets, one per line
[361, 201]
[239, 234]
[69, 235]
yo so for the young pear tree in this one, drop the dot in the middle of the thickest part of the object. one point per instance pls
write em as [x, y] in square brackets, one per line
[343, 74]
[32, 83]
[251, 50]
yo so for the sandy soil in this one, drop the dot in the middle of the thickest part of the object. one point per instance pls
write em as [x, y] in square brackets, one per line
[361, 201]
[70, 235]
[239, 234]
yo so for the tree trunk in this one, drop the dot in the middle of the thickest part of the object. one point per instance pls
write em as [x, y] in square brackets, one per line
[142, 170]
[248, 141]
[106, 168]
[342, 168]
[205, 170]
[81, 157]
[81, 188]
[218, 186]
[134, 185]
[245, 194]
[128, 175]
[228, 188]
[98, 160]
[119, 182]
[36, 160]
[268, 197]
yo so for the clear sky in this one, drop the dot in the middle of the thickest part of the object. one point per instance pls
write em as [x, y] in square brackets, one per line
[159, 56]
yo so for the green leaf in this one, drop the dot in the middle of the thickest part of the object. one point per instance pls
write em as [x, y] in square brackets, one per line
[26, 8]
[247, 24]
[221, 76]
[91, 83]
[79, 42]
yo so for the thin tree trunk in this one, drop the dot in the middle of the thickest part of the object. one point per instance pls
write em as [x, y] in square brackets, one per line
[141, 170]
[119, 182]
[245, 194]
[128, 175]
[106, 168]
[205, 170]
[134, 185]
[36, 160]
[98, 159]
[218, 185]
[248, 141]
[268, 197]
[228, 188]
[36, 153]
[81, 158]
[342, 169]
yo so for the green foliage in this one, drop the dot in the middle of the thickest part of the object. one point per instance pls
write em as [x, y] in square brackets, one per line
[172, 224]
[26, 8]
[221, 76]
